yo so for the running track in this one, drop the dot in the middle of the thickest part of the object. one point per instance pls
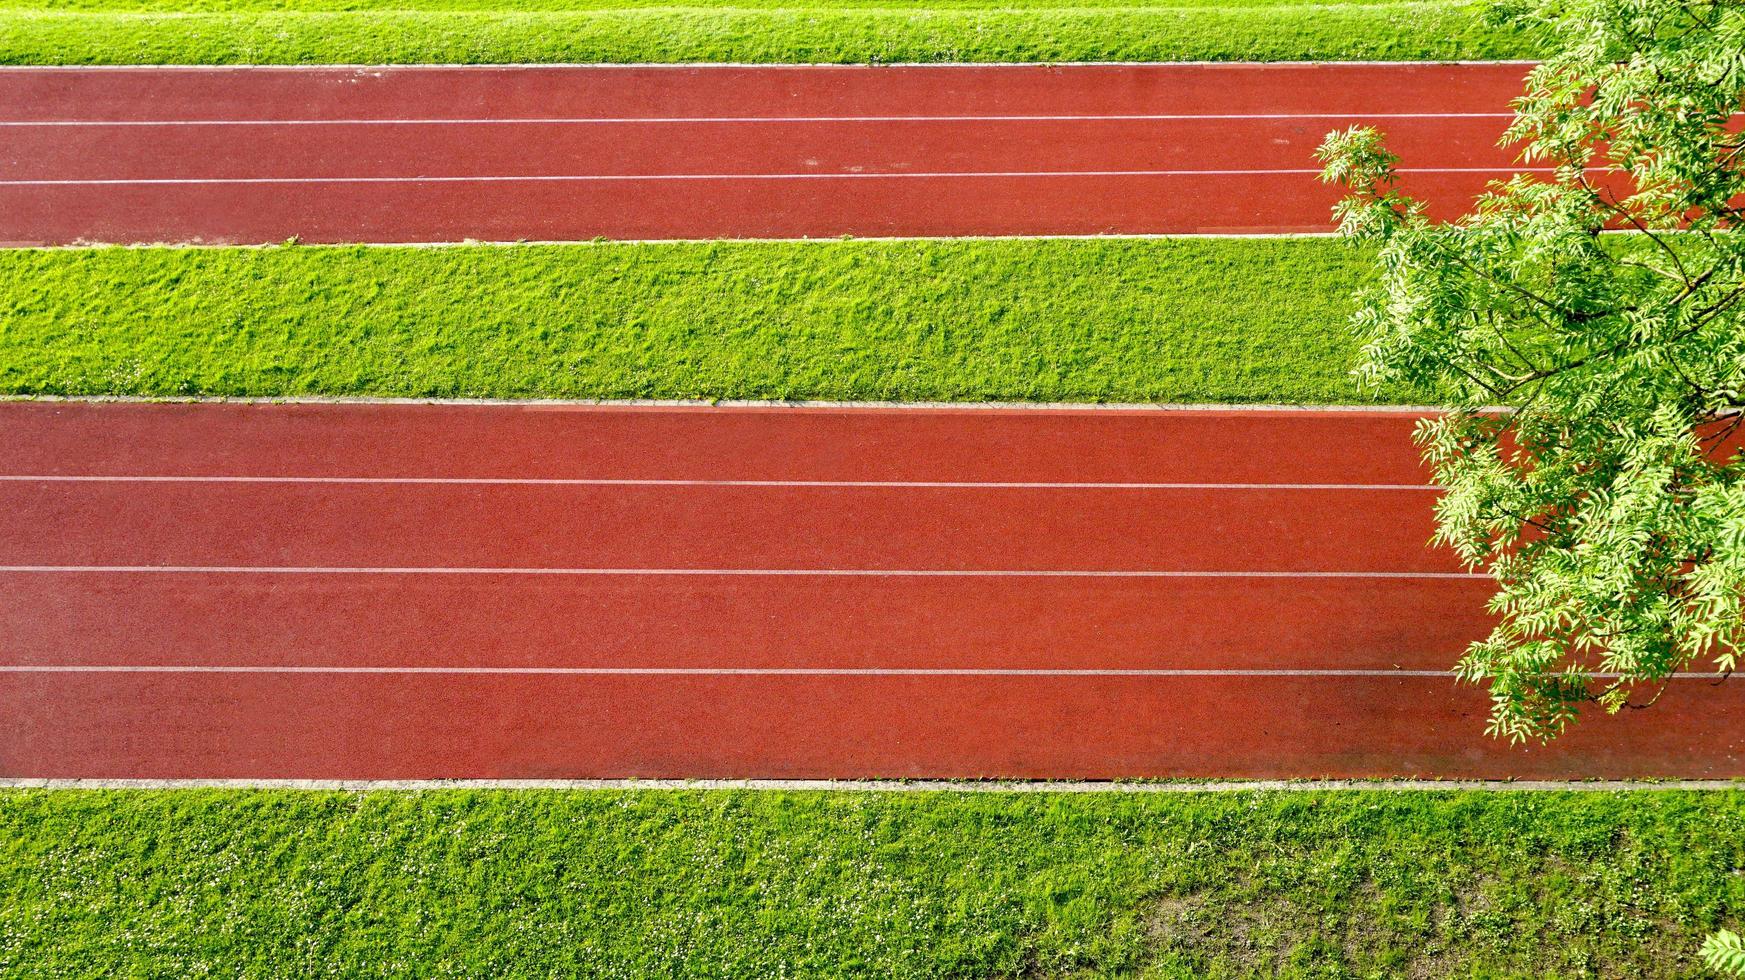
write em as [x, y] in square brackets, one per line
[228, 155]
[422, 591]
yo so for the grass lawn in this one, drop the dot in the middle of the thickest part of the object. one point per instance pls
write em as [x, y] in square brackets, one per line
[480, 31]
[748, 884]
[1183, 320]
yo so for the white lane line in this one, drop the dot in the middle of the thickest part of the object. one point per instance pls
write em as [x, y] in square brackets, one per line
[1571, 785]
[793, 572]
[752, 406]
[582, 178]
[705, 671]
[592, 482]
[637, 120]
[759, 671]
[345, 71]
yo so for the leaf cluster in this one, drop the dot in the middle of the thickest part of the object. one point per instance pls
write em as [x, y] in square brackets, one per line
[1586, 320]
[1724, 951]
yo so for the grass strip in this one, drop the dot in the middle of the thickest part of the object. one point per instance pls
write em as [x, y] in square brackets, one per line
[748, 884]
[844, 31]
[1121, 320]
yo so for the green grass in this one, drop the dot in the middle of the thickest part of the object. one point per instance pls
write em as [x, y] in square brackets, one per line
[851, 31]
[1184, 320]
[748, 884]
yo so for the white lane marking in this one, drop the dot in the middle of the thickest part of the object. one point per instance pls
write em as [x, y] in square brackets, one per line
[759, 671]
[592, 482]
[795, 572]
[577, 178]
[635, 120]
[1570, 785]
[748, 406]
[346, 70]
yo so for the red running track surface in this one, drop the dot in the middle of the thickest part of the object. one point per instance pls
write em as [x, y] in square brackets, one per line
[568, 153]
[424, 591]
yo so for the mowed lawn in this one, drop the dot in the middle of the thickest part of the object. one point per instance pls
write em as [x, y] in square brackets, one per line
[1158, 320]
[647, 883]
[855, 31]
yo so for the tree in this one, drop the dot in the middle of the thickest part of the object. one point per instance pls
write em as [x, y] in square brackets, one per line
[1585, 322]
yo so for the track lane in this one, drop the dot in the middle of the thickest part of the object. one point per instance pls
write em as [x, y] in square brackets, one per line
[780, 528]
[570, 208]
[567, 441]
[716, 91]
[267, 150]
[738, 622]
[431, 155]
[543, 726]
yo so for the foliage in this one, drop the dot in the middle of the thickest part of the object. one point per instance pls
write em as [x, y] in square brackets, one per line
[1591, 459]
[1725, 951]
